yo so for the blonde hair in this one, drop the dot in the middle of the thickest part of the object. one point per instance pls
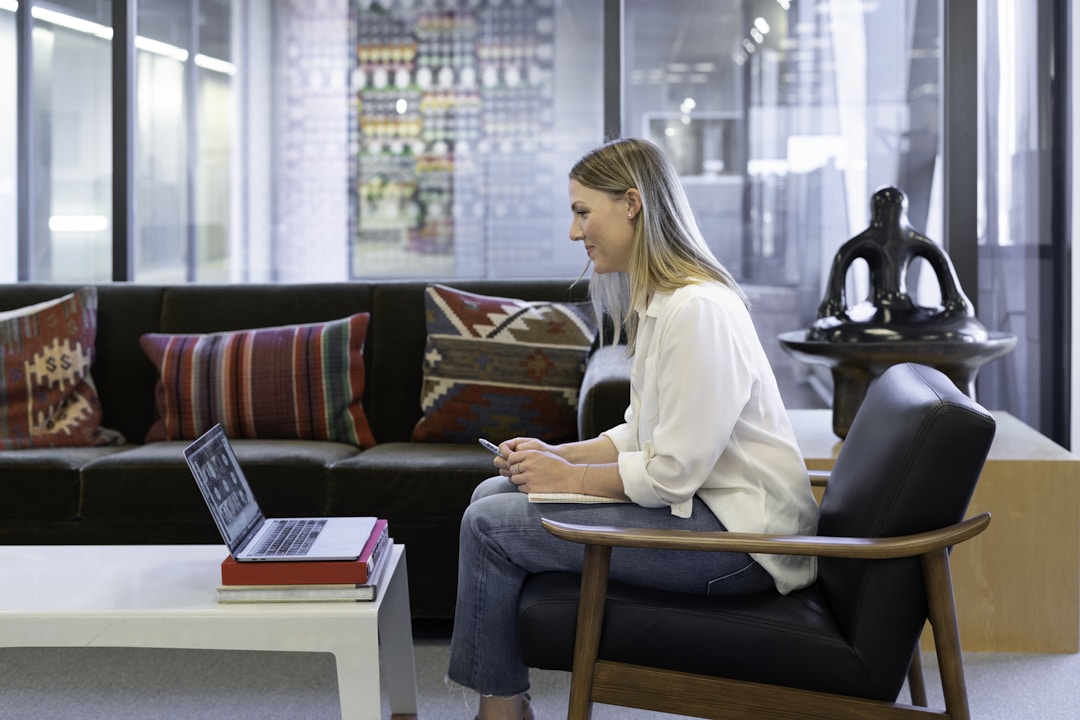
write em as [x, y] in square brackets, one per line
[668, 250]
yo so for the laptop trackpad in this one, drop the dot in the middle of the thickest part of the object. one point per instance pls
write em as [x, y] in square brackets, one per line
[341, 538]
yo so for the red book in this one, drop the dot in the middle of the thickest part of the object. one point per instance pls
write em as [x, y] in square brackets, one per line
[316, 572]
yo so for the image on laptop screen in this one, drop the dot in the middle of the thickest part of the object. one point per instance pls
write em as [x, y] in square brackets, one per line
[229, 497]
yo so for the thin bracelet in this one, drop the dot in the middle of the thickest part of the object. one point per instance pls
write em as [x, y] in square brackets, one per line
[583, 471]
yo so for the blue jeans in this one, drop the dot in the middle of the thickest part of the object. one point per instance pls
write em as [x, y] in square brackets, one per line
[502, 542]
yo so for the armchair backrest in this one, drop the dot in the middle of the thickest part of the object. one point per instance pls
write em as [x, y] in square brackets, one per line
[909, 464]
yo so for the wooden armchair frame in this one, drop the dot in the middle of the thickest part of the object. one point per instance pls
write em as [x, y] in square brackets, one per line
[596, 680]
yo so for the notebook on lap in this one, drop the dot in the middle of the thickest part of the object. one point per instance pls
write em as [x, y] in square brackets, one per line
[249, 534]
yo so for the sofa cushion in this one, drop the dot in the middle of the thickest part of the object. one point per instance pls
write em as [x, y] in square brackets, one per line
[496, 367]
[422, 489]
[44, 483]
[152, 483]
[202, 308]
[125, 378]
[47, 395]
[301, 382]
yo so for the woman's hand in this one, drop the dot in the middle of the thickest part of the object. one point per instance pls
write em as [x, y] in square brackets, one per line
[507, 448]
[518, 444]
[535, 466]
[538, 470]
[545, 464]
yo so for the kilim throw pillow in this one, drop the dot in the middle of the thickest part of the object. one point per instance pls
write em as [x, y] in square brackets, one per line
[498, 367]
[47, 396]
[295, 382]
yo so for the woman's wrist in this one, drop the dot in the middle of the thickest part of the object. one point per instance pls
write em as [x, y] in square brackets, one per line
[598, 450]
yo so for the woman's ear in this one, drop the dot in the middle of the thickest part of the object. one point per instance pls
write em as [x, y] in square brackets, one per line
[633, 203]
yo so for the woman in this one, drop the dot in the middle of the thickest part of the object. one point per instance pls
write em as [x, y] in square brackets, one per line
[707, 444]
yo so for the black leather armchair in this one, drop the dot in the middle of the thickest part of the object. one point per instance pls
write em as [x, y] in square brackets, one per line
[841, 648]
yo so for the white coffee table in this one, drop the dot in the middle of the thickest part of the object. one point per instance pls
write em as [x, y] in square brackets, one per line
[164, 596]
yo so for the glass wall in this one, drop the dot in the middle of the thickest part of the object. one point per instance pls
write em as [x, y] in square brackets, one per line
[183, 151]
[9, 247]
[1073, 196]
[1022, 249]
[161, 169]
[184, 123]
[783, 119]
[414, 139]
[314, 140]
[72, 153]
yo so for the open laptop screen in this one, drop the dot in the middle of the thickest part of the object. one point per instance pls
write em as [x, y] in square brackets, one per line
[223, 485]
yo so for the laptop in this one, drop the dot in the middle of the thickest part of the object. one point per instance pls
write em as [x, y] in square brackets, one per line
[250, 535]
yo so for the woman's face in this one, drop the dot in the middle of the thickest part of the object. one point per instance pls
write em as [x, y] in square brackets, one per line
[606, 226]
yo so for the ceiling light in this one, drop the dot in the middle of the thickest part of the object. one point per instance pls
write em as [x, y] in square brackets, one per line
[71, 22]
[159, 48]
[211, 63]
[78, 223]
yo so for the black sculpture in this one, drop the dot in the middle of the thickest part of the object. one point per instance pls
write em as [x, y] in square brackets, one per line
[858, 342]
[889, 246]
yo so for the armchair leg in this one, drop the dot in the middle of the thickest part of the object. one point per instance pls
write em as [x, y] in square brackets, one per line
[594, 579]
[946, 633]
[916, 684]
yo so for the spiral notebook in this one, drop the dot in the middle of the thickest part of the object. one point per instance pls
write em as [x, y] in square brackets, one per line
[571, 498]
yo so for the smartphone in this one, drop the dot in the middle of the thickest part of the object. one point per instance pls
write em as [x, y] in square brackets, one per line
[492, 447]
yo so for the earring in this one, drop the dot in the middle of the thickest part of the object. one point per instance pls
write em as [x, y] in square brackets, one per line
[630, 216]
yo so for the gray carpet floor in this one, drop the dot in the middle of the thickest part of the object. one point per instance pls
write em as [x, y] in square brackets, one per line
[123, 684]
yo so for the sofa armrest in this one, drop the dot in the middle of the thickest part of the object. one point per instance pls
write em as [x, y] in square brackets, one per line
[605, 391]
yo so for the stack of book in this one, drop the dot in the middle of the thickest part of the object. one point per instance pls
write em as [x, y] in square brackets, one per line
[310, 581]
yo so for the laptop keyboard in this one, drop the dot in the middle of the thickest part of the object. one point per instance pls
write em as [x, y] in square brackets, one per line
[288, 538]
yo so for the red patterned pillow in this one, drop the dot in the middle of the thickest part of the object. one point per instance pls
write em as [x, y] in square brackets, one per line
[47, 396]
[498, 367]
[295, 382]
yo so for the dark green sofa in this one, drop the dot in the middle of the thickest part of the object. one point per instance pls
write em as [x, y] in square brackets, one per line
[143, 493]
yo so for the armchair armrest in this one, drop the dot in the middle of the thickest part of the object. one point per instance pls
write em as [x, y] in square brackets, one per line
[605, 391]
[855, 548]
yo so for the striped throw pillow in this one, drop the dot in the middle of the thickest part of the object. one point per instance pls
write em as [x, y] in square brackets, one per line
[294, 382]
[498, 367]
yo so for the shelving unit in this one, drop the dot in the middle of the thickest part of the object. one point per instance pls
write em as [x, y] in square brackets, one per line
[453, 102]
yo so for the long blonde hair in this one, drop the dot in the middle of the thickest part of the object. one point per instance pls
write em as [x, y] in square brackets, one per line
[668, 250]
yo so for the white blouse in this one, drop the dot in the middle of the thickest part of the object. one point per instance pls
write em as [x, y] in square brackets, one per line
[706, 418]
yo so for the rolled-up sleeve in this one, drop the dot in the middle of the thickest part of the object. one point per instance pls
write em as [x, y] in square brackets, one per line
[624, 437]
[639, 485]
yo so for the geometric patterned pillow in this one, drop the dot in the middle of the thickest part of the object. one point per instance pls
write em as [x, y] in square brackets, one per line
[302, 382]
[47, 397]
[498, 367]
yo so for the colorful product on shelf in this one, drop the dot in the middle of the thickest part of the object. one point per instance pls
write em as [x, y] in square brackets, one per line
[452, 105]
